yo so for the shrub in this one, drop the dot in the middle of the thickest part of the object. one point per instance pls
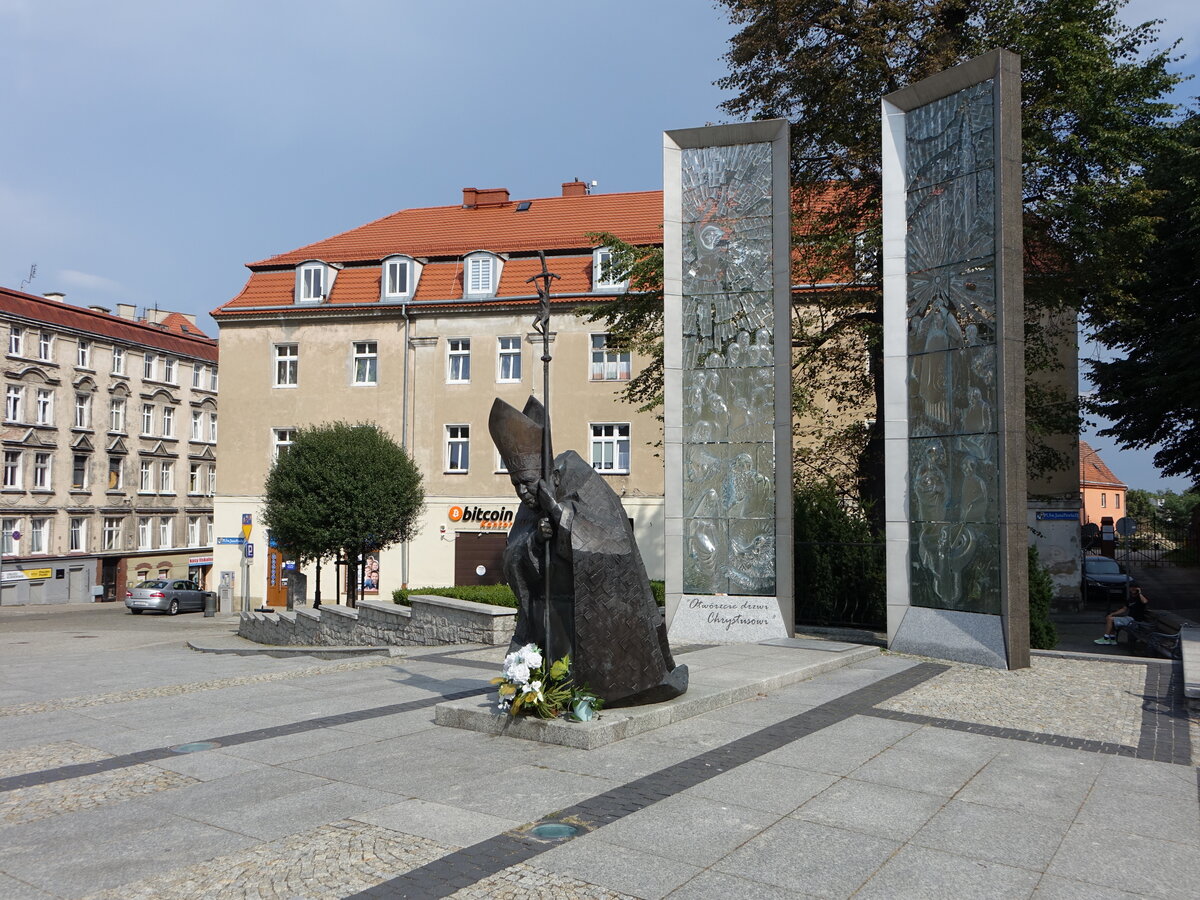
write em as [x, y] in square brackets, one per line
[1042, 633]
[660, 592]
[495, 594]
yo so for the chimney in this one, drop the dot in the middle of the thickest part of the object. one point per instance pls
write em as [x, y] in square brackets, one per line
[575, 188]
[469, 198]
[127, 311]
[57, 296]
[476, 197]
[97, 308]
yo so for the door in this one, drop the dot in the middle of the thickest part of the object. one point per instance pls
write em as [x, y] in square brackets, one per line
[479, 550]
[276, 589]
[108, 578]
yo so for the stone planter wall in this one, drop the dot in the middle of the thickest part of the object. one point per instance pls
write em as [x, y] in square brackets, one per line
[430, 621]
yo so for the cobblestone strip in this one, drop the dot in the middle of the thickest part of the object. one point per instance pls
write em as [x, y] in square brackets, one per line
[43, 756]
[172, 690]
[45, 800]
[472, 865]
[1012, 734]
[78, 770]
[326, 862]
[1166, 733]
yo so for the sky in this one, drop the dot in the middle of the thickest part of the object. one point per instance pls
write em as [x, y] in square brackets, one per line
[152, 148]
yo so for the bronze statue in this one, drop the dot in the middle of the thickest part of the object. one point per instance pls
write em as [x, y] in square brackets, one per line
[601, 608]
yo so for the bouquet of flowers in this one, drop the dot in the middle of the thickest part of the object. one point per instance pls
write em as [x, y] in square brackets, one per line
[527, 686]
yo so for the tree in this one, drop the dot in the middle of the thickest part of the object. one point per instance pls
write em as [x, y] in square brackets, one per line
[342, 490]
[1149, 392]
[1093, 106]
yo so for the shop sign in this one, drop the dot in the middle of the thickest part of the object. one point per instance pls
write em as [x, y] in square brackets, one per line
[484, 518]
[200, 560]
[27, 574]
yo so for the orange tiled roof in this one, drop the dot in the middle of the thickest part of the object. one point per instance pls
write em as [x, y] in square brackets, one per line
[1093, 471]
[550, 223]
[106, 325]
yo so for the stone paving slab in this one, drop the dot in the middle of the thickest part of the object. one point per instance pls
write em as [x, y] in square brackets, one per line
[718, 677]
[240, 646]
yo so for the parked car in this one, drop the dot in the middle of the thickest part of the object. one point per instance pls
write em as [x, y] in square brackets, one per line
[166, 595]
[1105, 581]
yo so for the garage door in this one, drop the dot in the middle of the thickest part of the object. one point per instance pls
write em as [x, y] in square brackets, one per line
[474, 550]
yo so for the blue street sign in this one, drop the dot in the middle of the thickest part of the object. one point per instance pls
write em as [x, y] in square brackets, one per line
[1070, 515]
[247, 519]
[231, 540]
[249, 548]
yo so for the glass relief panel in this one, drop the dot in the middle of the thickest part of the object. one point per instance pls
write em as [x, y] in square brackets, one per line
[728, 370]
[952, 382]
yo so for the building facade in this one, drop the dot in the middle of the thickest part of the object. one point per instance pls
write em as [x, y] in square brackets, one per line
[416, 322]
[1103, 492]
[109, 434]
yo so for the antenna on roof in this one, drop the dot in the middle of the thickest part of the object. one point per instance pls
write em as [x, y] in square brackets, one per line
[32, 275]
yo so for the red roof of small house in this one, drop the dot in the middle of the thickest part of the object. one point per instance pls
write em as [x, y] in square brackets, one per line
[168, 337]
[1092, 470]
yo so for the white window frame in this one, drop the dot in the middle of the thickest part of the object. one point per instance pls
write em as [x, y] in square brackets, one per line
[16, 340]
[281, 440]
[14, 402]
[311, 287]
[166, 531]
[83, 354]
[118, 470]
[83, 411]
[601, 264]
[166, 477]
[170, 370]
[212, 427]
[212, 378]
[391, 268]
[168, 421]
[149, 364]
[118, 361]
[116, 415]
[44, 406]
[458, 360]
[43, 463]
[508, 350]
[193, 478]
[212, 481]
[145, 533]
[606, 364]
[145, 476]
[7, 545]
[83, 482]
[111, 534]
[481, 275]
[12, 470]
[197, 425]
[39, 535]
[366, 362]
[77, 535]
[198, 375]
[287, 365]
[609, 441]
[147, 418]
[46, 346]
[458, 449]
[193, 532]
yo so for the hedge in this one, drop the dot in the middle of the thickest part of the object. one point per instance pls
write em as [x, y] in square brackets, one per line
[495, 594]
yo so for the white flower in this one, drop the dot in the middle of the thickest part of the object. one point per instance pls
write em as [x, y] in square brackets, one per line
[535, 688]
[531, 655]
[518, 673]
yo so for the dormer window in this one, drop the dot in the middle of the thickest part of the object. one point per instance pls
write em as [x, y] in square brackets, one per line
[604, 277]
[400, 275]
[314, 281]
[481, 275]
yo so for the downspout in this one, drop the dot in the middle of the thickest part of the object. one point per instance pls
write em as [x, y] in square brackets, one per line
[404, 430]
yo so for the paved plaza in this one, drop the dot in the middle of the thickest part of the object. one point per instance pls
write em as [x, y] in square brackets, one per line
[134, 767]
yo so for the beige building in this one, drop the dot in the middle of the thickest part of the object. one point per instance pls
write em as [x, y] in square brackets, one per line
[109, 432]
[416, 322]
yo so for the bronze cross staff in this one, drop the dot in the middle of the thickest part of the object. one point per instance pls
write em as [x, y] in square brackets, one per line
[542, 326]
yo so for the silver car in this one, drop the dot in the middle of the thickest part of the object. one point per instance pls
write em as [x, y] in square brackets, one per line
[166, 595]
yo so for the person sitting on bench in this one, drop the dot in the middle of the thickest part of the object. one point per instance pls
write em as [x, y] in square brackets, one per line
[1133, 611]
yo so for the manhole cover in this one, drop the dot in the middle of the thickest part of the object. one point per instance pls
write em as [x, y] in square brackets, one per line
[554, 831]
[195, 747]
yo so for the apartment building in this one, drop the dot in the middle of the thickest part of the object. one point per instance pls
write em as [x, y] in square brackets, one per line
[1103, 492]
[109, 434]
[416, 322]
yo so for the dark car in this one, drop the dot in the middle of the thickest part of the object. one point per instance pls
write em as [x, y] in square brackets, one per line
[166, 595]
[1105, 581]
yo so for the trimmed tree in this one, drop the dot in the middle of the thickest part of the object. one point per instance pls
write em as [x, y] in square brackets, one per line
[340, 491]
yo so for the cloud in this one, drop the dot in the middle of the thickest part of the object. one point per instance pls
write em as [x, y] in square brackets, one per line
[88, 282]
